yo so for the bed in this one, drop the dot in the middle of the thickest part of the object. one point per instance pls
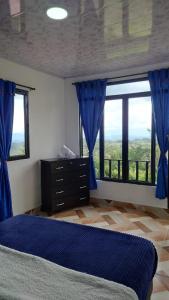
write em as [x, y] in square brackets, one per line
[118, 257]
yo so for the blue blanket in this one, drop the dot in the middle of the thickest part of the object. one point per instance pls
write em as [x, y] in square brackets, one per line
[118, 257]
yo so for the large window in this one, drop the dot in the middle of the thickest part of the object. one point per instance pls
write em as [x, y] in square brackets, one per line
[20, 135]
[126, 148]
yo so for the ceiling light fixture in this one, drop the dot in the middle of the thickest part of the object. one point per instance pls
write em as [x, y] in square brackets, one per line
[57, 13]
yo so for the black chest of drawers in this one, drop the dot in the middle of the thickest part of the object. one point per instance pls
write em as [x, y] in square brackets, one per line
[64, 183]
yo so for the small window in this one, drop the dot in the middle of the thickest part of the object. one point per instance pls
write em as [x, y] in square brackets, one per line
[20, 135]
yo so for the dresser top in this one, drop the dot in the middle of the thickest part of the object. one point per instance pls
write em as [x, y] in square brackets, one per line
[61, 159]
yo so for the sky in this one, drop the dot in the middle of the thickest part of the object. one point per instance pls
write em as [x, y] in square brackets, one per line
[139, 111]
[126, 88]
[139, 118]
[18, 122]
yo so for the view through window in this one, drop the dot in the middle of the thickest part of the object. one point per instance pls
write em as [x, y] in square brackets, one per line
[113, 139]
[139, 138]
[20, 146]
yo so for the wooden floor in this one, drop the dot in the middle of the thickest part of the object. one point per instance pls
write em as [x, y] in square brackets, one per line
[150, 223]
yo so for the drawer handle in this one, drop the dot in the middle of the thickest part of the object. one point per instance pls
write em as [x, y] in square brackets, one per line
[83, 187]
[83, 198]
[61, 204]
[61, 192]
[81, 165]
[81, 176]
[58, 180]
[59, 168]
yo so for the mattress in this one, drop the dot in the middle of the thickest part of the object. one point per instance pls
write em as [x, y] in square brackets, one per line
[115, 256]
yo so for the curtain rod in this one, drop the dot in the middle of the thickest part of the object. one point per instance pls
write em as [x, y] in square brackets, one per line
[25, 86]
[124, 76]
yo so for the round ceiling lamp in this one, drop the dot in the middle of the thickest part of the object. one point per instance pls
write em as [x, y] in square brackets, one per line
[57, 13]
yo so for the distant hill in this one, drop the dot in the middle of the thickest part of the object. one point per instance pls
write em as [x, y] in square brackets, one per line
[17, 137]
[134, 135]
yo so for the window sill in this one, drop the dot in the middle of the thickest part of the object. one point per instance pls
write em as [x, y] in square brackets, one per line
[128, 182]
[18, 157]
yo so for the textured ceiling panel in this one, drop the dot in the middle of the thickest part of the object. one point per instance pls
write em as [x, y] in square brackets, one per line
[97, 37]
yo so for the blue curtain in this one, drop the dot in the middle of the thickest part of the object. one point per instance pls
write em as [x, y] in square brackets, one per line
[7, 91]
[91, 97]
[159, 83]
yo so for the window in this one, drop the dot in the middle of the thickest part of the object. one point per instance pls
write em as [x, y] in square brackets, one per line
[20, 135]
[126, 149]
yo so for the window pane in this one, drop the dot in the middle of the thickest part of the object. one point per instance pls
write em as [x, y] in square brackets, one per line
[18, 136]
[157, 157]
[85, 148]
[96, 153]
[140, 112]
[113, 139]
[128, 88]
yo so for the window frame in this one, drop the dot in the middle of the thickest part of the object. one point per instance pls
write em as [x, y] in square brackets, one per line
[25, 93]
[125, 169]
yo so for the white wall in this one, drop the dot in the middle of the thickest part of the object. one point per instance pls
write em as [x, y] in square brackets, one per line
[125, 192]
[138, 194]
[71, 117]
[47, 131]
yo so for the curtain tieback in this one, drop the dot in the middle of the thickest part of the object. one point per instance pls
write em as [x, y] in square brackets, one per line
[2, 160]
[163, 154]
[3, 164]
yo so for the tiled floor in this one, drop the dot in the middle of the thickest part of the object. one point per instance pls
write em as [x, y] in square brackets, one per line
[150, 223]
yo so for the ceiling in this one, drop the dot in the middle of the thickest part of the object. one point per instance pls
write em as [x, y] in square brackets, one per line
[98, 36]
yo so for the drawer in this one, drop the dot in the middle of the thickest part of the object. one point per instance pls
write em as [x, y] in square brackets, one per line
[83, 195]
[65, 202]
[66, 191]
[61, 192]
[83, 164]
[68, 202]
[69, 165]
[58, 204]
[84, 174]
[83, 198]
[83, 188]
[64, 179]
